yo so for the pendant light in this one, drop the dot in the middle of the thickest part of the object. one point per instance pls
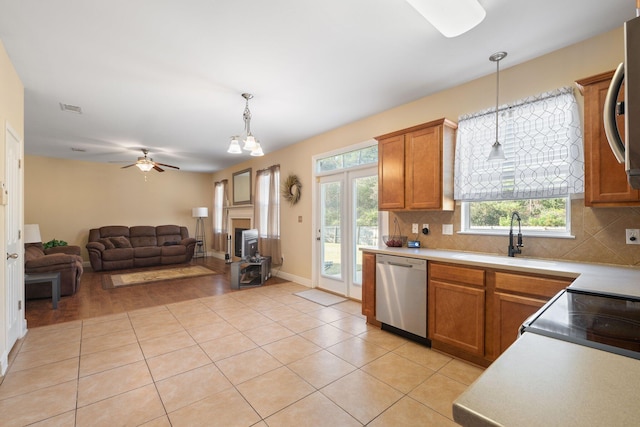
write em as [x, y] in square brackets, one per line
[250, 142]
[497, 152]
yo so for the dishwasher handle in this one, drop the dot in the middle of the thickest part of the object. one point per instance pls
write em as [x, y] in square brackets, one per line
[397, 264]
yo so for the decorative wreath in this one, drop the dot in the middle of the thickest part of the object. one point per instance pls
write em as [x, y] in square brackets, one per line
[291, 189]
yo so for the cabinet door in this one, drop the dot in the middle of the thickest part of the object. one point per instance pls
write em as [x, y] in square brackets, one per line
[391, 173]
[423, 164]
[511, 311]
[456, 316]
[605, 179]
[369, 287]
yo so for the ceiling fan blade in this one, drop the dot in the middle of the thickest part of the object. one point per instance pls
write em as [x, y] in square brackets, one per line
[128, 166]
[169, 166]
[158, 168]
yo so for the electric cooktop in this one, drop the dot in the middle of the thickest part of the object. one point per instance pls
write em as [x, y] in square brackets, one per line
[599, 320]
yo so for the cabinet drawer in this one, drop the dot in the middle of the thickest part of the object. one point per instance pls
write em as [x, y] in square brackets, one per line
[450, 273]
[540, 286]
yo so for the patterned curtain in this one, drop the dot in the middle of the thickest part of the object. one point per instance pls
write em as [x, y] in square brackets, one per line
[542, 140]
[220, 203]
[267, 212]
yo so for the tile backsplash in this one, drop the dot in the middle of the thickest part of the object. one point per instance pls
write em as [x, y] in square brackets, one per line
[599, 235]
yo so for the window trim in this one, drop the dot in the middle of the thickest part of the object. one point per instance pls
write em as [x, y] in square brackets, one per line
[466, 229]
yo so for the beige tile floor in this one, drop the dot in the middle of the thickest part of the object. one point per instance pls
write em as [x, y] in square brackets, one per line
[260, 356]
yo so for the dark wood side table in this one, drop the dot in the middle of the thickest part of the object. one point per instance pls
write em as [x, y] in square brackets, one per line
[54, 278]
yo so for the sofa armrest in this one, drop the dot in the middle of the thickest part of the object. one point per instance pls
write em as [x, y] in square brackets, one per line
[188, 241]
[51, 261]
[69, 250]
[96, 246]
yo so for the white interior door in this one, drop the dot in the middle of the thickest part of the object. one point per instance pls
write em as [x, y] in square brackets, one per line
[348, 220]
[14, 292]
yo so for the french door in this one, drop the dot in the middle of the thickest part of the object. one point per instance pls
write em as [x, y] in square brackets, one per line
[347, 220]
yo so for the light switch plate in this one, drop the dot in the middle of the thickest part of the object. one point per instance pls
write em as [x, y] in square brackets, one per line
[447, 229]
[414, 228]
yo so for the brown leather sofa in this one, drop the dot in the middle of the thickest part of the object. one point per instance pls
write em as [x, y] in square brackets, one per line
[63, 259]
[116, 247]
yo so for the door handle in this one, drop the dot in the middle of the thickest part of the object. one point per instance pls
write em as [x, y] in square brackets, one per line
[12, 256]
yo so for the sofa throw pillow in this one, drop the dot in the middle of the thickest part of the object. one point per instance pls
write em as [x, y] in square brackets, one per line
[107, 243]
[120, 242]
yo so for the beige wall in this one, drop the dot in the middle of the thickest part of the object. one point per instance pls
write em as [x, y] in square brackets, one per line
[597, 231]
[85, 201]
[11, 114]
[67, 198]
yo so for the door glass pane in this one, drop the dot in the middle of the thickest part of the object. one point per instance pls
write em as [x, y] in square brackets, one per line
[331, 196]
[365, 220]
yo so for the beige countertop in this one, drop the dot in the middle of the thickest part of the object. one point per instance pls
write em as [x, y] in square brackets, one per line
[590, 277]
[541, 381]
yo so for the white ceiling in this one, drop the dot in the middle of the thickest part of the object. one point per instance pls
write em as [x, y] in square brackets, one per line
[168, 75]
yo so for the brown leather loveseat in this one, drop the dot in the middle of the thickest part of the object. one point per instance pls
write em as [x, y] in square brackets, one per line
[117, 247]
[63, 259]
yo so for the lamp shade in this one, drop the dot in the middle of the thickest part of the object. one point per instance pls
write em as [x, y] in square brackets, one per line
[32, 233]
[200, 212]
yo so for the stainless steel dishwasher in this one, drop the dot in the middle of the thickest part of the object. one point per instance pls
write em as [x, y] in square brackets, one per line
[401, 293]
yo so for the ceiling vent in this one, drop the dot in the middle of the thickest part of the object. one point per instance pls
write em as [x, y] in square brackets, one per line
[70, 108]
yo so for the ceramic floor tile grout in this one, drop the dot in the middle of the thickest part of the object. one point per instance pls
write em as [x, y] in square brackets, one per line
[264, 303]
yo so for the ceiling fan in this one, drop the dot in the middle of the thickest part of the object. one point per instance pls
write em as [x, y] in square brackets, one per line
[145, 164]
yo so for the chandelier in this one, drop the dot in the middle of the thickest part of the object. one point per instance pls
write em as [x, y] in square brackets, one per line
[250, 142]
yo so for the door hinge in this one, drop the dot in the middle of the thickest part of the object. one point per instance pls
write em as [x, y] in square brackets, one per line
[19, 305]
[19, 163]
[19, 234]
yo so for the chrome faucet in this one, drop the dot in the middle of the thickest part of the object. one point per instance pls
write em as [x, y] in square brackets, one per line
[515, 249]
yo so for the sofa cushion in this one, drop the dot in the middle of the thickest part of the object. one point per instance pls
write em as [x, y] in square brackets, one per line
[168, 233]
[143, 235]
[147, 251]
[117, 254]
[120, 242]
[108, 244]
[114, 231]
[173, 250]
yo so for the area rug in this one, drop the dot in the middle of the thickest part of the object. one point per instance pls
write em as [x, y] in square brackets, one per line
[320, 297]
[141, 277]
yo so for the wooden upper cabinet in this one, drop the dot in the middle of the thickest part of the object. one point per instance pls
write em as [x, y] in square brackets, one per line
[415, 167]
[391, 172]
[606, 183]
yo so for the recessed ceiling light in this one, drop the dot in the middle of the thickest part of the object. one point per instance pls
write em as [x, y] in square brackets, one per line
[70, 108]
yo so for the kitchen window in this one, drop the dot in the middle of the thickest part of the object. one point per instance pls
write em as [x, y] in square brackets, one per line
[542, 140]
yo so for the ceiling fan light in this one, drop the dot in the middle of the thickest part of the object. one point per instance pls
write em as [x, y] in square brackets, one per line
[450, 17]
[257, 150]
[234, 146]
[144, 166]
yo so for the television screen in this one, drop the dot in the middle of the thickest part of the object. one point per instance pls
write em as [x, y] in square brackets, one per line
[249, 244]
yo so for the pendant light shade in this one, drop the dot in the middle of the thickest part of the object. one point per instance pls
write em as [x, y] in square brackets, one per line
[234, 146]
[450, 17]
[497, 153]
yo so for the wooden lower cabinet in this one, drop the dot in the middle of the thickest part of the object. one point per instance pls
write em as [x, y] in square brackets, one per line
[456, 310]
[456, 316]
[475, 313]
[369, 287]
[510, 312]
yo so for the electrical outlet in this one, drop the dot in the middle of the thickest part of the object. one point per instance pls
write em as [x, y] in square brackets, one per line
[633, 236]
[425, 229]
[414, 228]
